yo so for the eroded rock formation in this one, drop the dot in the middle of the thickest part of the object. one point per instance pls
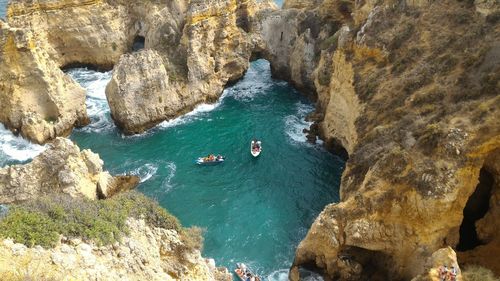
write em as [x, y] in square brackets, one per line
[61, 168]
[147, 253]
[210, 47]
[200, 47]
[410, 90]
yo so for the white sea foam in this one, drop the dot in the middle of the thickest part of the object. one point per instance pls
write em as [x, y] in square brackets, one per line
[257, 80]
[295, 124]
[167, 182]
[97, 106]
[16, 148]
[145, 172]
[282, 275]
[193, 115]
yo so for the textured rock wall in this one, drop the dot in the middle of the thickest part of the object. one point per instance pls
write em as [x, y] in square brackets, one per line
[36, 98]
[60, 168]
[202, 45]
[409, 89]
[145, 254]
[212, 48]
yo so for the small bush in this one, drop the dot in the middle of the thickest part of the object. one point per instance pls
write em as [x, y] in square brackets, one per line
[104, 221]
[29, 228]
[193, 237]
[478, 273]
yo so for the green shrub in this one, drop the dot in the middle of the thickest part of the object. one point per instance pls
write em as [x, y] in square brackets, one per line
[40, 221]
[29, 228]
[478, 273]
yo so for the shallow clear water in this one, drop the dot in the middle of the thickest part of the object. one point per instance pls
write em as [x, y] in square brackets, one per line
[255, 210]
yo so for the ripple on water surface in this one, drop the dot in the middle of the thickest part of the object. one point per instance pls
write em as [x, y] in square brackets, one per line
[255, 210]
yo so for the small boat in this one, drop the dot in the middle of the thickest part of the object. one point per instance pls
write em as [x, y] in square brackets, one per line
[210, 160]
[255, 148]
[245, 274]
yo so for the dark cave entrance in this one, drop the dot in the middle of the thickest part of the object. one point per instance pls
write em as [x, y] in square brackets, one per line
[139, 43]
[477, 206]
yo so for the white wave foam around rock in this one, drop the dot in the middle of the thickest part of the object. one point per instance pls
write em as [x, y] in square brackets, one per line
[14, 148]
[295, 124]
[282, 275]
[94, 83]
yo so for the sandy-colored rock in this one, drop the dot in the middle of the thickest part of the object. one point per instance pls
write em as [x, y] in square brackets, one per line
[147, 253]
[442, 264]
[397, 86]
[212, 48]
[60, 168]
[202, 45]
[37, 99]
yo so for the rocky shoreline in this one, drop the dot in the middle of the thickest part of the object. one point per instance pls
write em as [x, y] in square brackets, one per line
[408, 90]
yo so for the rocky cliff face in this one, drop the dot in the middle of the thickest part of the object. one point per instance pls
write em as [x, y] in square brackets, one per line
[202, 47]
[145, 254]
[211, 46]
[36, 98]
[61, 168]
[410, 90]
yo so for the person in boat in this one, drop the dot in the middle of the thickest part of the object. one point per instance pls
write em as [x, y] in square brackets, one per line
[219, 157]
[256, 145]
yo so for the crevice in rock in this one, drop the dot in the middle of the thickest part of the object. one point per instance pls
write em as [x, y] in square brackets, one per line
[99, 68]
[139, 43]
[336, 147]
[476, 208]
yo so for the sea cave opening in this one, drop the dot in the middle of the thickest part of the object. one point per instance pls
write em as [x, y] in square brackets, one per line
[476, 208]
[138, 43]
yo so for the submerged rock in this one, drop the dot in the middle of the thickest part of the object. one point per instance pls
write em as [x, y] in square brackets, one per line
[60, 168]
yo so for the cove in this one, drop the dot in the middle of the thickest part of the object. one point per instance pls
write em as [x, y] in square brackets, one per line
[254, 210]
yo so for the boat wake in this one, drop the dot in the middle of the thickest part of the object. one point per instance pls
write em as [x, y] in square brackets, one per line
[97, 106]
[13, 148]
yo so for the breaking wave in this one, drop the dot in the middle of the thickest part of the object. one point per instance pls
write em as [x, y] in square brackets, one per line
[14, 148]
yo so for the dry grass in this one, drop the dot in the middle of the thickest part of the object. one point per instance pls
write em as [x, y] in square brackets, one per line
[26, 268]
[478, 273]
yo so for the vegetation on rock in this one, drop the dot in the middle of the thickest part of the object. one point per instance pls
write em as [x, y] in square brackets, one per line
[40, 222]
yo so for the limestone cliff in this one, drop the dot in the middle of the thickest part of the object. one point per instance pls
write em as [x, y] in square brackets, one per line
[409, 89]
[210, 47]
[147, 253]
[60, 168]
[36, 98]
[202, 46]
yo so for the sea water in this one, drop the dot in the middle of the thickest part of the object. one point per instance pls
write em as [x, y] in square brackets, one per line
[254, 210]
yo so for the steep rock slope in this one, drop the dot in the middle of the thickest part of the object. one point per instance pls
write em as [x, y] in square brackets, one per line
[409, 89]
[147, 253]
[202, 45]
[210, 48]
[62, 168]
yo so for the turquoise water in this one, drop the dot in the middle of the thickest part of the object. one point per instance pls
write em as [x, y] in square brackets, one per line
[255, 210]
[3, 7]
